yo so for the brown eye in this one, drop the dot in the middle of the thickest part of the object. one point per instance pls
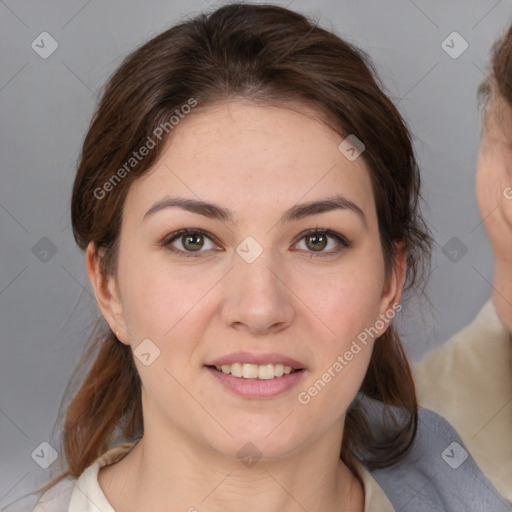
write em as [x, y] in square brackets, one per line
[192, 242]
[189, 242]
[316, 242]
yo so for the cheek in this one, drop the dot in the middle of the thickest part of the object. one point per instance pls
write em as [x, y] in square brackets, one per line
[335, 381]
[157, 301]
[344, 341]
[354, 301]
[354, 319]
[353, 297]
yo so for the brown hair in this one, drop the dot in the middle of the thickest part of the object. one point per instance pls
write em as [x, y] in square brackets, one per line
[499, 79]
[264, 53]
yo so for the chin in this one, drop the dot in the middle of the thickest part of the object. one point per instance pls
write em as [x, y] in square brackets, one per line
[250, 450]
[254, 440]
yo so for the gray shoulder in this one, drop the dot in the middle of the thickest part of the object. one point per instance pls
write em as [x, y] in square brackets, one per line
[438, 474]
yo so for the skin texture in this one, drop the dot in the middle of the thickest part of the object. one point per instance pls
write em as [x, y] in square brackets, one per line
[258, 161]
[494, 192]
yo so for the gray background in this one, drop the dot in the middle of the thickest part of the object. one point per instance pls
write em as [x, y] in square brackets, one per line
[46, 308]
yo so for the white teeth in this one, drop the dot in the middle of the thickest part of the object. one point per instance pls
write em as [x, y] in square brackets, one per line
[254, 371]
[266, 371]
[250, 371]
[236, 370]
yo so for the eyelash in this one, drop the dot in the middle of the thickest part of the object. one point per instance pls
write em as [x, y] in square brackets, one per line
[344, 242]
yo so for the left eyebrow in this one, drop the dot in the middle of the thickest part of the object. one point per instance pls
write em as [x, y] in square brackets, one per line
[325, 205]
[297, 212]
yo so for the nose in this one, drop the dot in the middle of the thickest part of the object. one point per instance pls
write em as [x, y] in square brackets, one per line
[257, 297]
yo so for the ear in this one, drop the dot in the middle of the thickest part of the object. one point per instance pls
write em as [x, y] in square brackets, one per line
[107, 293]
[393, 288]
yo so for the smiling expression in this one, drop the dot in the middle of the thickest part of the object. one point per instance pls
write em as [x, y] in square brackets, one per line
[252, 245]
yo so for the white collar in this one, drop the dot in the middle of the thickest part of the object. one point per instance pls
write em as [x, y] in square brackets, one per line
[87, 495]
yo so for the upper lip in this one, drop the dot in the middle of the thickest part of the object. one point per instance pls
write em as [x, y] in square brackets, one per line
[259, 359]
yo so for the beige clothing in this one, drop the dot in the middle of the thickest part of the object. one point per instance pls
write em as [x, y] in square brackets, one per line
[468, 380]
[85, 495]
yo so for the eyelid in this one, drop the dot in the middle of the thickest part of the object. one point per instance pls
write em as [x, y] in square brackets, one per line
[176, 235]
[328, 232]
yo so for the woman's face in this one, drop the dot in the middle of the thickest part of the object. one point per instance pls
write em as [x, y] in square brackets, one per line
[249, 284]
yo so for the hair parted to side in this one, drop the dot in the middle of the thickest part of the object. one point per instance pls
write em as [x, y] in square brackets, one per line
[268, 54]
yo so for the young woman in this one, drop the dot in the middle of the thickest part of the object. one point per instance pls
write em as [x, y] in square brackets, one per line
[247, 199]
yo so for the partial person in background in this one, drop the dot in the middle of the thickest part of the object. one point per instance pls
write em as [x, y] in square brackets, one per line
[469, 378]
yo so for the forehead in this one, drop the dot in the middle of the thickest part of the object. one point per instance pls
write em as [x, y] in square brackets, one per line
[497, 119]
[246, 154]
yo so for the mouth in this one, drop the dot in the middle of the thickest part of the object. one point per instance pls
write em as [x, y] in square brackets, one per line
[250, 371]
[256, 376]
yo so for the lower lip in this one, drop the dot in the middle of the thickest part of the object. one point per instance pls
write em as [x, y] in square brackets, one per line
[257, 388]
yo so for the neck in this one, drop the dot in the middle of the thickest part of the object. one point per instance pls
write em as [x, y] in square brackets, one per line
[171, 472]
[502, 291]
